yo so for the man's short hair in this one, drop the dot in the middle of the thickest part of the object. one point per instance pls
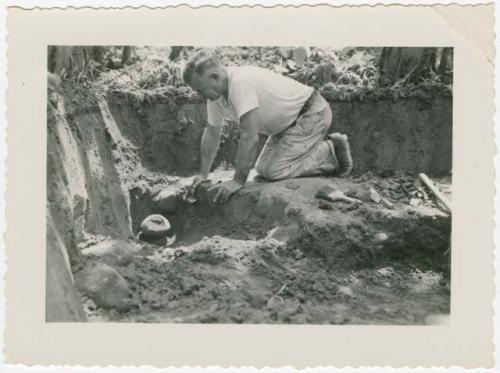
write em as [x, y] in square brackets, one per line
[198, 63]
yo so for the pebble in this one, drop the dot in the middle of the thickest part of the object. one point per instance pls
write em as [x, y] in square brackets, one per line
[415, 201]
[346, 290]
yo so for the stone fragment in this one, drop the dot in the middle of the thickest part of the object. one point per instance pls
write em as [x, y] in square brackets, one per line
[415, 201]
[107, 288]
[387, 204]
[375, 197]
[346, 290]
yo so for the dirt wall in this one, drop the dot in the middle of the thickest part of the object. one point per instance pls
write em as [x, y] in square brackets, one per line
[99, 145]
[167, 131]
[86, 189]
[410, 134]
[62, 302]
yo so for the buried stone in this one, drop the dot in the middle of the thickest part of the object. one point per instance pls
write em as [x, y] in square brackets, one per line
[107, 288]
[156, 229]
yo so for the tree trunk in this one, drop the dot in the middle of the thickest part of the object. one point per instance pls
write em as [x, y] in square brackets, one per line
[445, 69]
[68, 61]
[175, 52]
[126, 55]
[406, 64]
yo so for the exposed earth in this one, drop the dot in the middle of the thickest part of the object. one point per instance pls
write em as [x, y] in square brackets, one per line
[275, 253]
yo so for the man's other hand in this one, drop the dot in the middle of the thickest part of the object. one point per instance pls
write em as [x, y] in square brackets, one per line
[224, 190]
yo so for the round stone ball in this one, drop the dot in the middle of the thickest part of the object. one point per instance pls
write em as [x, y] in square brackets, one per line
[155, 226]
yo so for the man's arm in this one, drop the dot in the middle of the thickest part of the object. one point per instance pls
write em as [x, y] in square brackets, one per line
[247, 146]
[209, 147]
[245, 157]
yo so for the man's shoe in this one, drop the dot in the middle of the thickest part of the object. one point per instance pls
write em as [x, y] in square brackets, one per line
[342, 152]
[333, 156]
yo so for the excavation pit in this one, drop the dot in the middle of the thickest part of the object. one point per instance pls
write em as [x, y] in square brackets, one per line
[274, 253]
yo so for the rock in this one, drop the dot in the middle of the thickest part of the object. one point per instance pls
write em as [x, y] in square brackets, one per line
[380, 237]
[107, 288]
[387, 203]
[166, 200]
[274, 301]
[298, 254]
[415, 201]
[179, 253]
[155, 227]
[62, 302]
[283, 233]
[346, 290]
[375, 197]
[113, 252]
[292, 185]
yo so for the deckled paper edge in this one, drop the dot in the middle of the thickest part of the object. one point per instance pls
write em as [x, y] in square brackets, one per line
[378, 3]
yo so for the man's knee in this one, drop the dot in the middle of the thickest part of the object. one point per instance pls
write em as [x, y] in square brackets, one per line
[271, 172]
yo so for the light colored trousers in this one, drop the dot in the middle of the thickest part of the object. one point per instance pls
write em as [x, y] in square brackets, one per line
[300, 150]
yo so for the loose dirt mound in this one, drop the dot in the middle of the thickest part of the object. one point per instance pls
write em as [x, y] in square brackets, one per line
[224, 280]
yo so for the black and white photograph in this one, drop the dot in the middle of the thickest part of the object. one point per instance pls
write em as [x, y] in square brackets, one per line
[249, 184]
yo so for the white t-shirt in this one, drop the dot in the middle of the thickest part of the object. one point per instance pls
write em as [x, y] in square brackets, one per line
[278, 98]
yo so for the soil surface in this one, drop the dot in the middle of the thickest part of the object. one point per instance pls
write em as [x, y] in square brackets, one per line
[274, 253]
[277, 254]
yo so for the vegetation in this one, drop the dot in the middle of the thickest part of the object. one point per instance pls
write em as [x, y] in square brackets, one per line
[342, 74]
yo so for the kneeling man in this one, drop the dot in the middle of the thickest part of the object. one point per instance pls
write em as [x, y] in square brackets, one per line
[294, 116]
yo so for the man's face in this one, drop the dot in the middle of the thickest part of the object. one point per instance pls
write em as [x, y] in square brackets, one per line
[208, 84]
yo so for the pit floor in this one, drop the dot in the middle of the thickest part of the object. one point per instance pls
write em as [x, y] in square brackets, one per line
[212, 276]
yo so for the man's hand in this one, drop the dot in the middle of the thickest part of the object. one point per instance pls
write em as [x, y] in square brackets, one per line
[197, 181]
[224, 190]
